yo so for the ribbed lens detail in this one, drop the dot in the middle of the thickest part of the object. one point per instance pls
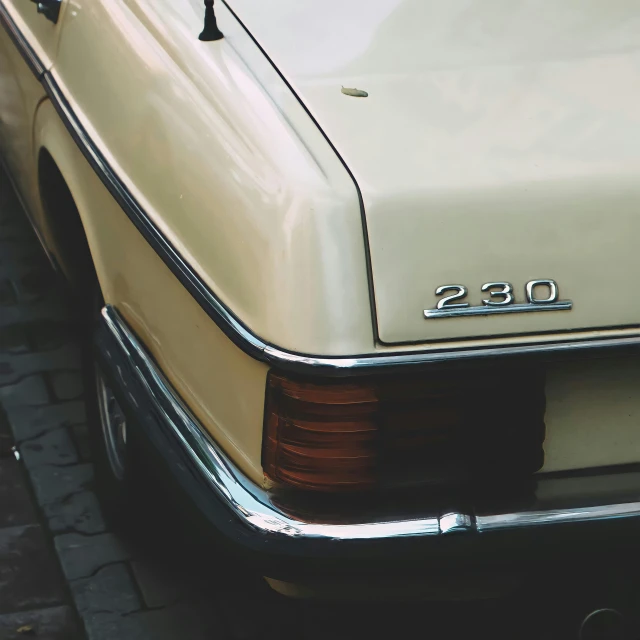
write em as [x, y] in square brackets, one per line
[436, 429]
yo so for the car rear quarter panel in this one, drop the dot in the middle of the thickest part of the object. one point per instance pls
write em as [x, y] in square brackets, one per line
[226, 163]
[223, 387]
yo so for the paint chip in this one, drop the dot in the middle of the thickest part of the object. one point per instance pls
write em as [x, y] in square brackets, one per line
[355, 93]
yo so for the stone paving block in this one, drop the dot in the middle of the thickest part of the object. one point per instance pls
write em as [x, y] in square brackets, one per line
[28, 392]
[111, 590]
[6, 437]
[34, 284]
[173, 623]
[21, 253]
[44, 336]
[29, 422]
[7, 372]
[56, 484]
[50, 307]
[17, 255]
[158, 588]
[82, 440]
[14, 368]
[14, 339]
[29, 574]
[6, 444]
[52, 448]
[81, 556]
[16, 508]
[8, 294]
[54, 623]
[67, 385]
[78, 512]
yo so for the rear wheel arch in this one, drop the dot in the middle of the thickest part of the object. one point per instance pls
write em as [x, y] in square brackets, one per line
[63, 224]
[67, 198]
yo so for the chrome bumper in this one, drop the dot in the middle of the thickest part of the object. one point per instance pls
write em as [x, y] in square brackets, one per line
[254, 507]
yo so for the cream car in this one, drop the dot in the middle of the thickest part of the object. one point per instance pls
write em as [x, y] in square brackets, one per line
[360, 274]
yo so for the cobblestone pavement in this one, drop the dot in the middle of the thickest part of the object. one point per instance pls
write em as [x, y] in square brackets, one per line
[65, 575]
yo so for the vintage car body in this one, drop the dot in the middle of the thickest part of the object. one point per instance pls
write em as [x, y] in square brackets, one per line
[245, 215]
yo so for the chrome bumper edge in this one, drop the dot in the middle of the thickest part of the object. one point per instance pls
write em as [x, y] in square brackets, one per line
[252, 505]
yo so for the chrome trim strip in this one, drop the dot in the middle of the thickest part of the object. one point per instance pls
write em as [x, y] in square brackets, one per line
[378, 363]
[249, 503]
[232, 327]
[253, 506]
[557, 516]
[239, 334]
[456, 522]
[29, 55]
[561, 305]
[229, 324]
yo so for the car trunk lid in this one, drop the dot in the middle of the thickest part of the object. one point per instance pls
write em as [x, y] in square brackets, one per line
[499, 142]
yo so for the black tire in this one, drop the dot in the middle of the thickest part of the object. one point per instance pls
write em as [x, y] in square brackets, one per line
[117, 485]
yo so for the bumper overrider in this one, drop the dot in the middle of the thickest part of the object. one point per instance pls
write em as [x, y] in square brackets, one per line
[252, 520]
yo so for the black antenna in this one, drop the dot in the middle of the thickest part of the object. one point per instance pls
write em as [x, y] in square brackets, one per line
[211, 31]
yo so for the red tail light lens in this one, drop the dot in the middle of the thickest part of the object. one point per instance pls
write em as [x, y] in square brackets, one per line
[388, 431]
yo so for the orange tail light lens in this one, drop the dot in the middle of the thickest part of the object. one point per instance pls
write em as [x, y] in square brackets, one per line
[387, 431]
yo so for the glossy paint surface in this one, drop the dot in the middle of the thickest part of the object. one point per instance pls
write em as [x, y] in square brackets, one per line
[20, 94]
[245, 188]
[593, 414]
[222, 386]
[268, 215]
[500, 142]
[41, 34]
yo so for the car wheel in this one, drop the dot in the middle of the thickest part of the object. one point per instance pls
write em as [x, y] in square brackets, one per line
[114, 457]
[113, 427]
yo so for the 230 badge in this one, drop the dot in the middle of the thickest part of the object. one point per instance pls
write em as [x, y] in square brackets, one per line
[501, 300]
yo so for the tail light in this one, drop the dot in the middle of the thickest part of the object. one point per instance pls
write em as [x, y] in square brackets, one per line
[378, 432]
